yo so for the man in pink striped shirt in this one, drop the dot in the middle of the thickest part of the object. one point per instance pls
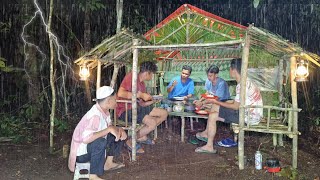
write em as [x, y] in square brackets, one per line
[94, 138]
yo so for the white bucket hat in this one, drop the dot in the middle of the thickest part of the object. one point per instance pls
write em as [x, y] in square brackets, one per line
[104, 91]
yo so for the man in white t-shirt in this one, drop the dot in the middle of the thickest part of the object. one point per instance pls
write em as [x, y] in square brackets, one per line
[228, 112]
[95, 140]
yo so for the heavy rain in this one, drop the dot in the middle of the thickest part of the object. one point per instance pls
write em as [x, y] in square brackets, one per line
[55, 55]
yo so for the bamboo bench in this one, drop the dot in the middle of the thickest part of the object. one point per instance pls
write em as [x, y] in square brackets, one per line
[281, 124]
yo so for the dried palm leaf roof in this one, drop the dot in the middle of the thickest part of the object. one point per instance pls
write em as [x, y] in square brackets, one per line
[278, 46]
[191, 25]
[116, 49]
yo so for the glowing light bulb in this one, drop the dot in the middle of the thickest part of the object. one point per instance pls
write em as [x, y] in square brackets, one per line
[84, 73]
[302, 70]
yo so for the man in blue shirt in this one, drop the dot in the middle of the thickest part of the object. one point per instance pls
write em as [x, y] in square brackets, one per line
[216, 85]
[181, 86]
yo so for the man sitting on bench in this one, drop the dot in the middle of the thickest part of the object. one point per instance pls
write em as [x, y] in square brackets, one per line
[181, 86]
[228, 112]
[147, 115]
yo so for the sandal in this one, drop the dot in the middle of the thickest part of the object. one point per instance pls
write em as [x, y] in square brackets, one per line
[201, 138]
[200, 150]
[118, 166]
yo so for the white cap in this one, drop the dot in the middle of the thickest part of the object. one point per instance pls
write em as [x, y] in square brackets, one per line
[104, 92]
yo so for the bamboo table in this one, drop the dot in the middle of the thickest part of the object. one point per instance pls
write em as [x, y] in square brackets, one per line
[184, 115]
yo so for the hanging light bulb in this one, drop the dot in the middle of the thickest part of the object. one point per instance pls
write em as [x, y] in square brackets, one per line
[84, 72]
[302, 71]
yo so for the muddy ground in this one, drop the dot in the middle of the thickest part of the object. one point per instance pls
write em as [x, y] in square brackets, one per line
[167, 159]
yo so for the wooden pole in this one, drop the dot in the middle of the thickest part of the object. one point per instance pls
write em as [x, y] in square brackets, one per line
[134, 97]
[188, 26]
[177, 46]
[98, 74]
[280, 90]
[244, 69]
[294, 98]
[52, 79]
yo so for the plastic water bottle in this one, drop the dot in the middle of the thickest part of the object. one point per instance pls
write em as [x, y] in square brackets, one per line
[258, 160]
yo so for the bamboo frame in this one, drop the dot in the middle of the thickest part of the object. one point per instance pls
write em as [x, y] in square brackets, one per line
[98, 73]
[134, 97]
[177, 46]
[294, 97]
[244, 68]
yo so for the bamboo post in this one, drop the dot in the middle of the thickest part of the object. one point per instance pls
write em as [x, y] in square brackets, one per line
[244, 68]
[207, 59]
[134, 97]
[179, 46]
[294, 95]
[98, 73]
[280, 91]
[280, 140]
[274, 139]
[183, 122]
[188, 26]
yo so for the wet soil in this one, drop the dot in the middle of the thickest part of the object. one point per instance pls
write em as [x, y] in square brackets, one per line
[169, 158]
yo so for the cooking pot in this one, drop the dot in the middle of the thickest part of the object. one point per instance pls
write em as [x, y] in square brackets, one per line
[178, 107]
[189, 106]
[272, 165]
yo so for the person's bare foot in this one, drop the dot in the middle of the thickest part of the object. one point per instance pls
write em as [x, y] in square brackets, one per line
[129, 144]
[202, 134]
[94, 177]
[146, 140]
[113, 166]
[142, 138]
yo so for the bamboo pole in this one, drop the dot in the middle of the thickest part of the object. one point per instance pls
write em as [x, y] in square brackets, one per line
[98, 73]
[274, 107]
[294, 98]
[274, 139]
[280, 91]
[207, 59]
[134, 97]
[309, 58]
[177, 46]
[169, 35]
[243, 82]
[212, 31]
[188, 25]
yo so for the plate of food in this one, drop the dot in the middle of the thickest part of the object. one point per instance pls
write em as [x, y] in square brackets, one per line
[202, 112]
[157, 97]
[209, 96]
[178, 98]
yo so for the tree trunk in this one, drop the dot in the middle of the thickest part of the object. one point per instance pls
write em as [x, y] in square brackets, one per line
[53, 91]
[119, 21]
[87, 45]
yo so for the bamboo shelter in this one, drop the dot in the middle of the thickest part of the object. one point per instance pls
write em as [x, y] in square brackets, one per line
[198, 38]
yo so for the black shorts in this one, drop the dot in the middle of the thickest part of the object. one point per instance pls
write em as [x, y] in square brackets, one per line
[229, 115]
[141, 112]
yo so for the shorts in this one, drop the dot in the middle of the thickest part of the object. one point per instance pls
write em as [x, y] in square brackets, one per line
[141, 112]
[229, 115]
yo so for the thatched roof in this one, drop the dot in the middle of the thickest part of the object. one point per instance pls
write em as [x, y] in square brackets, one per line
[278, 46]
[191, 25]
[116, 49]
